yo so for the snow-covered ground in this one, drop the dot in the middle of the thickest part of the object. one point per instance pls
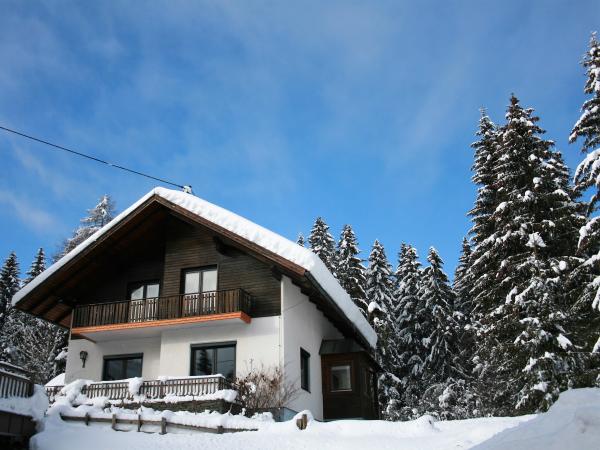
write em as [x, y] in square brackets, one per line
[572, 423]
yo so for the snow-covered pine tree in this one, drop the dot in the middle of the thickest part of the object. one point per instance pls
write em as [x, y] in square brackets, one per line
[300, 240]
[97, 217]
[483, 263]
[35, 344]
[462, 281]
[379, 290]
[463, 307]
[321, 242]
[350, 271]
[588, 125]
[442, 372]
[411, 350]
[587, 178]
[9, 285]
[523, 357]
[37, 266]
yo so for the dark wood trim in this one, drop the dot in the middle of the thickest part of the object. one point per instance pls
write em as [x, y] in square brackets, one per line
[225, 249]
[64, 315]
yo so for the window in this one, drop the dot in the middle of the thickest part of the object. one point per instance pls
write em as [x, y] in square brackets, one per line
[200, 280]
[122, 367]
[213, 359]
[341, 378]
[143, 289]
[304, 370]
[139, 309]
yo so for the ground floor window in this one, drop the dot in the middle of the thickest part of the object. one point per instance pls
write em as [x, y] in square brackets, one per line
[213, 359]
[120, 367]
[341, 378]
[304, 370]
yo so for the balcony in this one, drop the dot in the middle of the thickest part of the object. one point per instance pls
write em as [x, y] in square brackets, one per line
[172, 311]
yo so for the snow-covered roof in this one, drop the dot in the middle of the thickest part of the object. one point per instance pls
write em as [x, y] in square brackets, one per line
[243, 228]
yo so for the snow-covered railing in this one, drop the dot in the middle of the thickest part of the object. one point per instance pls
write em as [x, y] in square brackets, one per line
[14, 381]
[165, 387]
[162, 308]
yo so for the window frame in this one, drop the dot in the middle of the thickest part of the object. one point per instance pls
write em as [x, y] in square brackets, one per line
[125, 358]
[213, 345]
[199, 269]
[135, 284]
[304, 357]
[348, 364]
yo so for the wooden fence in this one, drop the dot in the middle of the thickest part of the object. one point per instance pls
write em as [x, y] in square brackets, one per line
[152, 389]
[14, 381]
[139, 423]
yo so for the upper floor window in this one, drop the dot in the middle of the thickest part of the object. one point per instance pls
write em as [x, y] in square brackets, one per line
[200, 280]
[144, 289]
[304, 370]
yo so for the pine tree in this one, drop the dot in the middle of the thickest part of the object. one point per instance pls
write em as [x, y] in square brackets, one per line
[588, 125]
[438, 299]
[410, 344]
[463, 322]
[322, 244]
[442, 371]
[379, 289]
[9, 285]
[483, 262]
[35, 344]
[523, 357]
[462, 281]
[486, 156]
[97, 217]
[37, 266]
[350, 271]
[586, 278]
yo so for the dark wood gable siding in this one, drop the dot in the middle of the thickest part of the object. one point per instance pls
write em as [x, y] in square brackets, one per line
[143, 260]
[189, 246]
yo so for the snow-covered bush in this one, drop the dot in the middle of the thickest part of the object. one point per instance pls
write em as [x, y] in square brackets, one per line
[264, 388]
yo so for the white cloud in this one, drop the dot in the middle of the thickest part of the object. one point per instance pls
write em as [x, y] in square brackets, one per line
[30, 215]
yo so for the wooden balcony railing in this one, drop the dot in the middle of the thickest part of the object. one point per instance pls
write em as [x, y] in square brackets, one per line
[152, 389]
[162, 308]
[14, 381]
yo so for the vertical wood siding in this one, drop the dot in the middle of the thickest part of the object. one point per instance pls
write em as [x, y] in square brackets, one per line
[187, 247]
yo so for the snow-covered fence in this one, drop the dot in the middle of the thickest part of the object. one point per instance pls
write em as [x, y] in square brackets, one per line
[150, 389]
[14, 381]
[160, 423]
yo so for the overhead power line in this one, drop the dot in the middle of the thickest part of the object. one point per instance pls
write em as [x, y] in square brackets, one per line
[93, 158]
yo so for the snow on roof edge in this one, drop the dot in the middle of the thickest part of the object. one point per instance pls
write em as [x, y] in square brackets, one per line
[69, 256]
[244, 228]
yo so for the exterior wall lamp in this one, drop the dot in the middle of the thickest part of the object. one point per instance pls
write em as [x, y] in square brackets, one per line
[83, 356]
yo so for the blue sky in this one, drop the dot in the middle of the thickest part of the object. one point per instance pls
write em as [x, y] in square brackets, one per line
[361, 112]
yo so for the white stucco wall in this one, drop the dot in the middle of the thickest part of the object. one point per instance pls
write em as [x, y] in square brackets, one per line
[256, 343]
[149, 347]
[304, 326]
[268, 341]
[168, 353]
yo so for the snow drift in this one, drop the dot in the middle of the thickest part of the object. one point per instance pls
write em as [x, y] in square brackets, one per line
[573, 422]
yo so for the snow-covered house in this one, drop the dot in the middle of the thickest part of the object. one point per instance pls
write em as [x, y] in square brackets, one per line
[178, 287]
